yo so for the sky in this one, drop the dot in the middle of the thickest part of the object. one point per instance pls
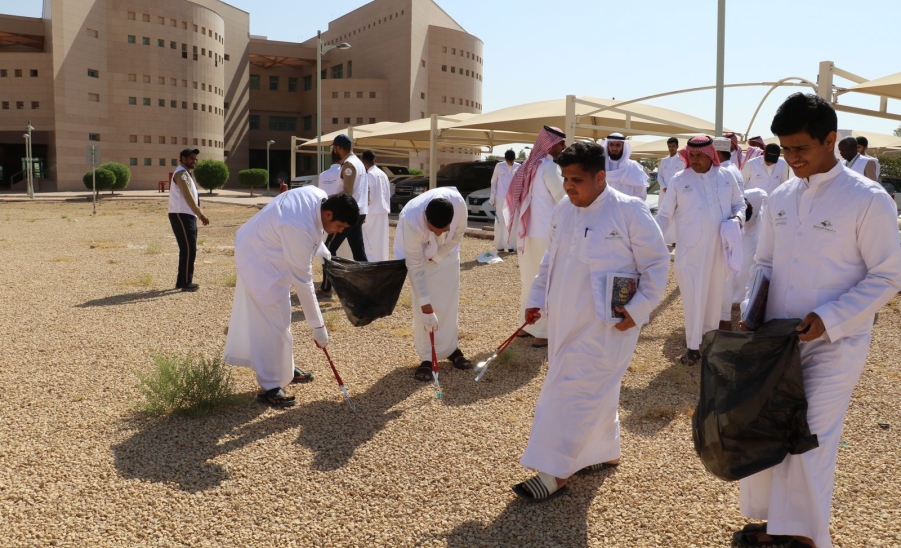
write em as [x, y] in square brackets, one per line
[538, 50]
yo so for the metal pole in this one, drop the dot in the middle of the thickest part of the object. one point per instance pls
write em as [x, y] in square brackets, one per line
[824, 80]
[28, 171]
[433, 153]
[94, 175]
[720, 63]
[293, 159]
[268, 174]
[318, 102]
[570, 128]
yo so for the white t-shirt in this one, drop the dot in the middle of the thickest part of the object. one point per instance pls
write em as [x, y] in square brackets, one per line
[177, 203]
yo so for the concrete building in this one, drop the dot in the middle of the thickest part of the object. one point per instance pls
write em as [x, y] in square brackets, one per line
[144, 79]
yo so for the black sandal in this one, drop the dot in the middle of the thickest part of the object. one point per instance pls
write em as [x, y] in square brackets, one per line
[527, 490]
[301, 376]
[423, 373]
[691, 357]
[459, 361]
[599, 467]
[747, 537]
[276, 397]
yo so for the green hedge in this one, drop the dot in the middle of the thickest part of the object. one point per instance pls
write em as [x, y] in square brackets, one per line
[106, 180]
[121, 171]
[211, 174]
[253, 178]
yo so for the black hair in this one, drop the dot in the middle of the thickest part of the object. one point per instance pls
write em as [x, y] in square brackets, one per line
[368, 156]
[439, 213]
[586, 154]
[509, 155]
[724, 156]
[862, 141]
[805, 112]
[672, 140]
[848, 142]
[343, 207]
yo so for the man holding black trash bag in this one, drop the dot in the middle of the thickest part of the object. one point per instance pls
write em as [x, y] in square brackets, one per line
[830, 245]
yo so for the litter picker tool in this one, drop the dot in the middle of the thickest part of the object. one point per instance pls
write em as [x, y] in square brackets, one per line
[435, 366]
[482, 367]
[350, 403]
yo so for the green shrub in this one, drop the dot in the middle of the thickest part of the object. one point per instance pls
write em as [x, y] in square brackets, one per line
[253, 178]
[211, 174]
[187, 386]
[121, 171]
[891, 166]
[106, 180]
[416, 171]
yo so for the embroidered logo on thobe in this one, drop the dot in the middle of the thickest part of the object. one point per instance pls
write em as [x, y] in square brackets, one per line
[348, 172]
[780, 218]
[687, 188]
[825, 226]
[613, 236]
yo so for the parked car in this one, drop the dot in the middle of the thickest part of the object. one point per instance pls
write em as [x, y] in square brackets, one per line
[467, 177]
[892, 185]
[481, 210]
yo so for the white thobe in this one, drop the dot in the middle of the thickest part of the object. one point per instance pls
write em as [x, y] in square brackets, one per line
[750, 234]
[273, 251]
[830, 246]
[757, 174]
[500, 184]
[697, 203]
[546, 192]
[726, 306]
[668, 168]
[576, 420]
[733, 169]
[433, 265]
[375, 229]
[628, 177]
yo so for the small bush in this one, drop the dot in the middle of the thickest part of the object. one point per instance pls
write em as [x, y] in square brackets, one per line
[106, 179]
[416, 171]
[253, 178]
[231, 280]
[154, 249]
[122, 173]
[211, 174]
[186, 386]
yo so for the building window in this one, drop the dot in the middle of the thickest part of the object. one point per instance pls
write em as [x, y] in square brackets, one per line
[254, 121]
[359, 95]
[422, 95]
[444, 98]
[443, 68]
[132, 161]
[195, 106]
[161, 102]
[173, 81]
[93, 73]
[131, 38]
[307, 123]
[148, 162]
[146, 101]
[203, 142]
[347, 95]
[350, 69]
[454, 70]
[3, 73]
[173, 140]
[203, 87]
[346, 119]
[322, 74]
[146, 78]
[20, 105]
[453, 51]
[94, 97]
[359, 119]
[93, 33]
[203, 108]
[145, 17]
[422, 114]
[227, 57]
[372, 120]
[203, 51]
[335, 121]
[17, 73]
[132, 100]
[161, 80]
[453, 101]
[147, 139]
[195, 141]
[467, 72]
[443, 49]
[308, 82]
[372, 95]
[35, 105]
[173, 104]
[131, 16]
[195, 85]
[132, 138]
[172, 45]
[338, 72]
[423, 62]
[254, 81]
[145, 41]
[195, 28]
[160, 42]
[184, 105]
[273, 83]
[161, 140]
[283, 123]
[292, 83]
[174, 162]
[173, 22]
[162, 162]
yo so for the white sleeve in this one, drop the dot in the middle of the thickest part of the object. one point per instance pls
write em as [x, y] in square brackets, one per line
[746, 172]
[738, 202]
[538, 292]
[415, 261]
[553, 180]
[298, 248]
[667, 206]
[652, 262]
[494, 178]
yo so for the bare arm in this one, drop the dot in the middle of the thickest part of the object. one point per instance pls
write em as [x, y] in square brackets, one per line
[189, 198]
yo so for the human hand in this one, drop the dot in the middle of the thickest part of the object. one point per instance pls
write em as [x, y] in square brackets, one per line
[320, 337]
[491, 201]
[430, 322]
[203, 219]
[532, 315]
[811, 328]
[627, 323]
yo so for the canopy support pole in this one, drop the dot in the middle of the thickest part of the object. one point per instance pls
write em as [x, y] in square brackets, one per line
[433, 153]
[293, 159]
[720, 64]
[570, 128]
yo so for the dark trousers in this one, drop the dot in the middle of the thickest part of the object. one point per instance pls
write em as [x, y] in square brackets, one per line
[185, 228]
[354, 237]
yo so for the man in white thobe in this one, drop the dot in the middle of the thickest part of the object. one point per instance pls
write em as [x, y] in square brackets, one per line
[829, 242]
[667, 169]
[624, 174]
[375, 230]
[429, 231]
[536, 188]
[854, 160]
[755, 202]
[766, 172]
[722, 146]
[862, 145]
[596, 230]
[740, 157]
[500, 183]
[699, 199]
[273, 251]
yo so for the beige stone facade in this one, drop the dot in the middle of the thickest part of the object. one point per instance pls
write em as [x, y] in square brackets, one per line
[144, 79]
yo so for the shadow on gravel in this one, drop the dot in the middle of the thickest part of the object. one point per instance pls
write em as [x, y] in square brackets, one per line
[127, 298]
[527, 524]
[459, 387]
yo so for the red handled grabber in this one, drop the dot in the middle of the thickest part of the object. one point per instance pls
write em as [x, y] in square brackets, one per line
[482, 367]
[350, 403]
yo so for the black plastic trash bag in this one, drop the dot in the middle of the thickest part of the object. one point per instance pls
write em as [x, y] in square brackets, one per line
[368, 291]
[752, 410]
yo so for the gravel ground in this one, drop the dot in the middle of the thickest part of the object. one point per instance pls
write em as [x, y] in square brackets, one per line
[87, 302]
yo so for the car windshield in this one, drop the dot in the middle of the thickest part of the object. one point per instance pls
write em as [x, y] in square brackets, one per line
[451, 171]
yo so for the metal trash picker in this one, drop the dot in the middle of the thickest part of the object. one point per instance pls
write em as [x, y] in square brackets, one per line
[350, 403]
[482, 366]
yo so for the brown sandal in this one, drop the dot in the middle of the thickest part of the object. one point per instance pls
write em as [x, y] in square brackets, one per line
[276, 397]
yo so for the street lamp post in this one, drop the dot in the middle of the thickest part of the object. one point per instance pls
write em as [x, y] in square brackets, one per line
[268, 175]
[28, 167]
[320, 51]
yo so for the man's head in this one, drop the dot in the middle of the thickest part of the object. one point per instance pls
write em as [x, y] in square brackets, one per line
[616, 143]
[336, 158]
[806, 126]
[723, 147]
[339, 212]
[343, 145]
[368, 159]
[862, 144]
[733, 138]
[509, 156]
[699, 154]
[847, 147]
[584, 178]
[188, 157]
[672, 144]
[757, 142]
[552, 135]
[771, 154]
[438, 215]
